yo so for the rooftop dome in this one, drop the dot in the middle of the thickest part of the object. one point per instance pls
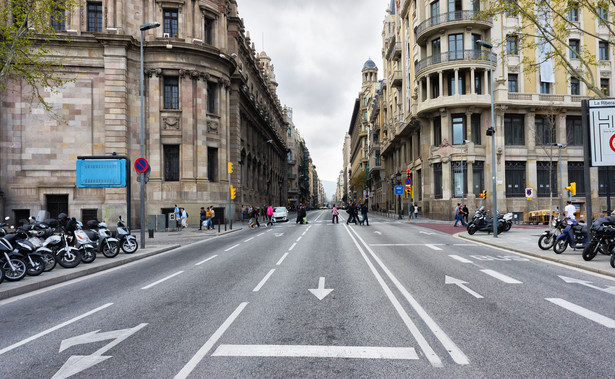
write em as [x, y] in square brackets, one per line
[369, 64]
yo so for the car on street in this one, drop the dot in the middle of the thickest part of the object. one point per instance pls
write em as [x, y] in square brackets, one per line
[280, 214]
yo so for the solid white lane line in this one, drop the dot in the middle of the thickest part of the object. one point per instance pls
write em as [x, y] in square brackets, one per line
[282, 259]
[311, 351]
[249, 239]
[460, 259]
[502, 277]
[591, 315]
[292, 246]
[209, 344]
[397, 244]
[466, 244]
[458, 356]
[299, 239]
[433, 247]
[161, 280]
[260, 234]
[208, 259]
[232, 247]
[262, 283]
[431, 355]
[270, 230]
[43, 333]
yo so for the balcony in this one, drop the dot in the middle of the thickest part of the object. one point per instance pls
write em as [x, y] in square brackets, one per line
[397, 79]
[394, 50]
[538, 98]
[292, 162]
[450, 20]
[461, 58]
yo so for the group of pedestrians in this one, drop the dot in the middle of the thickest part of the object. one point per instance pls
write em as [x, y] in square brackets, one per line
[353, 211]
[181, 216]
[207, 216]
[461, 214]
[414, 211]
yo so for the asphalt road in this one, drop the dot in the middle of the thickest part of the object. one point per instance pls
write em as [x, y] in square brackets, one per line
[391, 300]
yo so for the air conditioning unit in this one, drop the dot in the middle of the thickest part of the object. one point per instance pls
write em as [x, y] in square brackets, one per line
[165, 35]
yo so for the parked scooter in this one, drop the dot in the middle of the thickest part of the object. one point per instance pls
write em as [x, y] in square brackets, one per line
[603, 238]
[128, 242]
[12, 265]
[547, 239]
[100, 235]
[83, 243]
[574, 235]
[15, 245]
[507, 219]
[67, 256]
[481, 222]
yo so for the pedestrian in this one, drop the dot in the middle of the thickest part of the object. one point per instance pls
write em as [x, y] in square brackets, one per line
[255, 213]
[410, 212]
[212, 218]
[184, 218]
[364, 211]
[570, 210]
[459, 215]
[177, 214]
[299, 218]
[270, 215]
[335, 215]
[202, 217]
[416, 211]
[466, 211]
[243, 211]
[352, 214]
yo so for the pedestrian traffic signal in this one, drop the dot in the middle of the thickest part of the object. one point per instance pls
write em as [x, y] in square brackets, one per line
[233, 192]
[572, 188]
[230, 167]
[483, 195]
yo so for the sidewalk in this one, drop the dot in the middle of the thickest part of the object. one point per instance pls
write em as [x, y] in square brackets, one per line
[162, 242]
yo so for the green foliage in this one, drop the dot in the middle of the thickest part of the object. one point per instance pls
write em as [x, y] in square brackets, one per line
[358, 181]
[26, 32]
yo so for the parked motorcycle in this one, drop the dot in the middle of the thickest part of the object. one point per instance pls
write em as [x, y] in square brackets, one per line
[83, 243]
[16, 247]
[574, 235]
[481, 222]
[603, 238]
[100, 235]
[128, 242]
[507, 219]
[37, 233]
[67, 256]
[12, 265]
[547, 239]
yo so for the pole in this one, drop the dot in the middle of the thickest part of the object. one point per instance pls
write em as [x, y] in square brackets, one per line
[493, 166]
[461, 164]
[561, 182]
[587, 161]
[142, 144]
[608, 192]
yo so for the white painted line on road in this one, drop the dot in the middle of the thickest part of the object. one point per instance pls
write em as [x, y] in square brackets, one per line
[262, 283]
[260, 234]
[198, 357]
[232, 247]
[458, 356]
[433, 247]
[591, 315]
[397, 244]
[292, 246]
[502, 277]
[208, 259]
[466, 244]
[43, 333]
[460, 259]
[299, 239]
[461, 284]
[312, 351]
[282, 259]
[270, 230]
[161, 280]
[249, 239]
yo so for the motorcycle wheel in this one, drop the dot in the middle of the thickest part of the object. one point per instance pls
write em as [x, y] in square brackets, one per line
[50, 261]
[68, 259]
[613, 260]
[591, 250]
[560, 246]
[36, 267]
[88, 255]
[19, 271]
[129, 246]
[546, 241]
[1, 275]
[507, 226]
[110, 248]
[472, 229]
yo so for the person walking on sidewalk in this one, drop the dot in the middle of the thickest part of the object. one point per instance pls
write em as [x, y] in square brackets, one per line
[184, 218]
[459, 215]
[270, 215]
[202, 217]
[416, 211]
[177, 214]
[364, 211]
[335, 215]
[466, 211]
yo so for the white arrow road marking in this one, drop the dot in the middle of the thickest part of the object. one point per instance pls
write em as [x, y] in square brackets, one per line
[311, 351]
[460, 283]
[428, 233]
[208, 259]
[460, 259]
[77, 363]
[321, 292]
[161, 280]
[502, 277]
[377, 232]
[433, 247]
[21, 343]
[591, 315]
[278, 234]
[586, 283]
[262, 283]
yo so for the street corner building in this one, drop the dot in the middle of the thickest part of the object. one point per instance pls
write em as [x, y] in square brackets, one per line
[210, 98]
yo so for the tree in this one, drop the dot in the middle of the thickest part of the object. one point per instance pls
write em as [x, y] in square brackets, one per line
[27, 27]
[546, 27]
[357, 182]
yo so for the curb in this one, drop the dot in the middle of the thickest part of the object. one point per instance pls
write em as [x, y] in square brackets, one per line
[610, 273]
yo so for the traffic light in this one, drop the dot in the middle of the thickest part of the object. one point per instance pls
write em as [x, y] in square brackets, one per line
[490, 131]
[483, 195]
[233, 192]
[572, 188]
[230, 167]
[408, 174]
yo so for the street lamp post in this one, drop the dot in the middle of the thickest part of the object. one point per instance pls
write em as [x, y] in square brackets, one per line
[561, 177]
[143, 28]
[489, 46]
[463, 142]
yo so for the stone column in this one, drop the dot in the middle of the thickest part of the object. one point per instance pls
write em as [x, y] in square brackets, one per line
[472, 78]
[428, 82]
[456, 85]
[440, 83]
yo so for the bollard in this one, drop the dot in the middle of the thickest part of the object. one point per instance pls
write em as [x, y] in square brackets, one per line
[151, 233]
[218, 227]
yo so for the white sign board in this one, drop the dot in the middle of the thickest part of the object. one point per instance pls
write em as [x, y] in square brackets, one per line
[602, 132]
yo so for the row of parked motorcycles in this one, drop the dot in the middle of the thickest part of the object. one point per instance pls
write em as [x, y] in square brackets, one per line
[38, 246]
[482, 222]
[564, 232]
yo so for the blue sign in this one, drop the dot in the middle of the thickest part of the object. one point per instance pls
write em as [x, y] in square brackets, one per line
[399, 190]
[93, 173]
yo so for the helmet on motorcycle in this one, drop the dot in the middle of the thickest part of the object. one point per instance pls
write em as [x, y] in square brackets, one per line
[62, 216]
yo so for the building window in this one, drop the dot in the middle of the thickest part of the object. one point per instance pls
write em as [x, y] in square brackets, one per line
[546, 187]
[477, 49]
[170, 23]
[515, 179]
[208, 32]
[475, 128]
[419, 185]
[458, 126]
[573, 13]
[58, 20]
[512, 44]
[545, 87]
[171, 162]
[55, 204]
[574, 131]
[460, 178]
[436, 53]
[437, 180]
[604, 86]
[435, 12]
[461, 84]
[455, 46]
[212, 164]
[478, 85]
[514, 130]
[171, 92]
[89, 214]
[478, 177]
[212, 97]
[575, 48]
[603, 14]
[576, 174]
[602, 181]
[513, 83]
[575, 86]
[545, 131]
[435, 87]
[95, 17]
[603, 51]
[437, 131]
[511, 8]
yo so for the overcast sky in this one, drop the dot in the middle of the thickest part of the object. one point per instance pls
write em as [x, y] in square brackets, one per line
[318, 48]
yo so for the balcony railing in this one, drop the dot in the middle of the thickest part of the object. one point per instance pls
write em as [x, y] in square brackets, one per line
[465, 55]
[292, 162]
[449, 17]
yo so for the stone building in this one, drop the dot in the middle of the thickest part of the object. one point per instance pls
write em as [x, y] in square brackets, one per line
[209, 99]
